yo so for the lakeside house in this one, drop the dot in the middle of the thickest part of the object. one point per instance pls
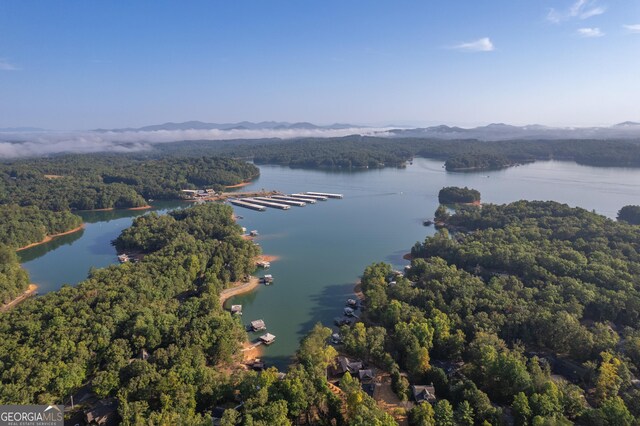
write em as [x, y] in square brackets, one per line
[367, 381]
[424, 393]
[104, 413]
[344, 365]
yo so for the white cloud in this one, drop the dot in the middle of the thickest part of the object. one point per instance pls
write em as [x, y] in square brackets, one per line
[580, 9]
[481, 45]
[592, 12]
[7, 66]
[590, 32]
[635, 28]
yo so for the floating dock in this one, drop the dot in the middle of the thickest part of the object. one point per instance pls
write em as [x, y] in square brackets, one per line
[291, 198]
[324, 194]
[247, 205]
[311, 197]
[287, 202]
[266, 203]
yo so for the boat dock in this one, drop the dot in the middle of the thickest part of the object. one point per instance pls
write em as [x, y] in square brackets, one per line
[247, 205]
[324, 194]
[310, 197]
[289, 198]
[287, 202]
[271, 204]
[277, 200]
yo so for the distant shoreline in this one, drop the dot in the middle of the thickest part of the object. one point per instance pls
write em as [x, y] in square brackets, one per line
[48, 238]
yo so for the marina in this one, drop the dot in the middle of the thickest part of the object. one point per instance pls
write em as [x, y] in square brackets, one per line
[247, 205]
[291, 198]
[276, 200]
[323, 194]
[266, 203]
[287, 202]
[310, 197]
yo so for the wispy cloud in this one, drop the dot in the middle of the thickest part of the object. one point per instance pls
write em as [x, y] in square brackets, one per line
[635, 28]
[7, 66]
[481, 45]
[580, 9]
[590, 32]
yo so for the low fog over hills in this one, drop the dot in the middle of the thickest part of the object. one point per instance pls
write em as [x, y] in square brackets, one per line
[29, 141]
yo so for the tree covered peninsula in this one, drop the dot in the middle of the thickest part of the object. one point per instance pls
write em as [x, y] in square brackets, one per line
[102, 181]
[528, 314]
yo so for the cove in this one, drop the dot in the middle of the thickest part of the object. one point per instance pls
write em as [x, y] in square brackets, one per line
[324, 247]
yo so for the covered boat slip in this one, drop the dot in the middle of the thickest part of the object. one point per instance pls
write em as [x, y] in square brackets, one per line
[281, 201]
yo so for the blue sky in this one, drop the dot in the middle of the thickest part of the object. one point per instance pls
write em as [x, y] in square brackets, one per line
[87, 64]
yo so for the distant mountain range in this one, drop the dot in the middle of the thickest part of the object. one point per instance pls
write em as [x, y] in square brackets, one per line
[501, 131]
[243, 125]
[494, 131]
[21, 129]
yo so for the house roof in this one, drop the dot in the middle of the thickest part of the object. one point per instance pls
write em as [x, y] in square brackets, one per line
[366, 375]
[268, 337]
[257, 324]
[423, 392]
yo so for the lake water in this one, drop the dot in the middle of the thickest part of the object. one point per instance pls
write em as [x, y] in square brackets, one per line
[324, 247]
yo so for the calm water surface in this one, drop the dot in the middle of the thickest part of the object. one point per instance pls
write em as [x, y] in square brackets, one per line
[324, 247]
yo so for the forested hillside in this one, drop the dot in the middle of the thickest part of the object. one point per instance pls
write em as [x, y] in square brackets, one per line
[166, 305]
[374, 152]
[521, 291]
[13, 279]
[99, 181]
[21, 226]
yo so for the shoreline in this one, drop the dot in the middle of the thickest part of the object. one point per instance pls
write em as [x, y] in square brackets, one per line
[141, 207]
[267, 258]
[30, 291]
[238, 289]
[49, 238]
[238, 185]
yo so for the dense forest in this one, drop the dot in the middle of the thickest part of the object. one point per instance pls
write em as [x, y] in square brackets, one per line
[13, 279]
[454, 194]
[21, 226]
[630, 214]
[99, 181]
[375, 152]
[519, 292]
[167, 305]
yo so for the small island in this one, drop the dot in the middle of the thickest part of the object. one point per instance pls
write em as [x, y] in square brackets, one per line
[630, 214]
[457, 195]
